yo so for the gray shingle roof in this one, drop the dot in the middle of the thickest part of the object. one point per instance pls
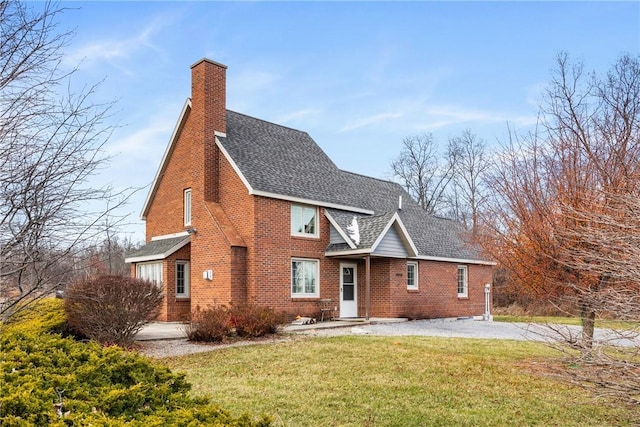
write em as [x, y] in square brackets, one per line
[158, 249]
[287, 162]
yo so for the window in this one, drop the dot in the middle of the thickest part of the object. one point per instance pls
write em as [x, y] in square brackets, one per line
[304, 278]
[304, 221]
[151, 271]
[187, 206]
[182, 279]
[463, 286]
[412, 275]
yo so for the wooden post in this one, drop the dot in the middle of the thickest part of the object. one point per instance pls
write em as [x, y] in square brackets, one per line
[367, 269]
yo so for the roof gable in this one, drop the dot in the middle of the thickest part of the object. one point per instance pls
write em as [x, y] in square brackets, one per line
[159, 248]
[182, 119]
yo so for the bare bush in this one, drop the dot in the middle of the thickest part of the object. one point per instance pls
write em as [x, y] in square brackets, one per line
[255, 321]
[112, 309]
[212, 324]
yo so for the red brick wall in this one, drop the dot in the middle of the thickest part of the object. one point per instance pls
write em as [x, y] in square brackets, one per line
[437, 294]
[177, 309]
[274, 247]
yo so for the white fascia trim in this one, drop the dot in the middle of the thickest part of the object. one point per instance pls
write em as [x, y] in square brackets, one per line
[138, 259]
[232, 163]
[170, 236]
[157, 257]
[300, 200]
[350, 252]
[310, 202]
[165, 157]
[396, 218]
[339, 230]
[456, 260]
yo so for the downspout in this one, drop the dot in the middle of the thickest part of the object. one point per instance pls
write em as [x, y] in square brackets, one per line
[367, 299]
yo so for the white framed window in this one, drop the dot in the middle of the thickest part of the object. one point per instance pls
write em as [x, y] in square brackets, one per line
[412, 275]
[463, 282]
[304, 221]
[182, 279]
[151, 271]
[305, 275]
[187, 206]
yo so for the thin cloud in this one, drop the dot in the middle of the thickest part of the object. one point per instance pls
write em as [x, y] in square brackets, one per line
[295, 116]
[370, 121]
[451, 115]
[136, 144]
[116, 51]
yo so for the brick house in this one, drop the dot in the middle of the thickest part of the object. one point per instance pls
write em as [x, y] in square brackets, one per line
[243, 210]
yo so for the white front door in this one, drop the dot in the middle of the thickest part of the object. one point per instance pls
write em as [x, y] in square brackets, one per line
[348, 290]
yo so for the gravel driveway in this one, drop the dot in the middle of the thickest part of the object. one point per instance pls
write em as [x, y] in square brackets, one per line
[463, 328]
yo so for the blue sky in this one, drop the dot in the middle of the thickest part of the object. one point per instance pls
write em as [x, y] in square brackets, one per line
[357, 76]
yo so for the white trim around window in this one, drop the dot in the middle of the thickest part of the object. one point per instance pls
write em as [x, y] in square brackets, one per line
[463, 281]
[187, 206]
[412, 275]
[305, 278]
[183, 279]
[304, 221]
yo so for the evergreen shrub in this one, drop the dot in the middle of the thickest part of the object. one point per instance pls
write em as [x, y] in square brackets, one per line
[47, 379]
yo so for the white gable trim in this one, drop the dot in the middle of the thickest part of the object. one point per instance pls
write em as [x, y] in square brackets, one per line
[233, 164]
[165, 158]
[404, 235]
[159, 256]
[346, 238]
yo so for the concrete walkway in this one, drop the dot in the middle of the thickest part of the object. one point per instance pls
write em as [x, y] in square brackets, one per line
[158, 331]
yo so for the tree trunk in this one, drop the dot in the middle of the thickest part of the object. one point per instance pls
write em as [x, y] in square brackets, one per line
[588, 318]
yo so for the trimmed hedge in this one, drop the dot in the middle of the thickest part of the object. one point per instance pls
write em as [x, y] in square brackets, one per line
[50, 380]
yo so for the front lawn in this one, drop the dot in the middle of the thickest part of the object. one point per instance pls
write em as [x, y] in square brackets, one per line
[556, 320]
[398, 381]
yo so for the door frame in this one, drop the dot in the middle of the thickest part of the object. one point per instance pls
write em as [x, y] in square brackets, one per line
[349, 308]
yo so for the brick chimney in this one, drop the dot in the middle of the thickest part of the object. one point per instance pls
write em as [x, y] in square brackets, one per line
[208, 110]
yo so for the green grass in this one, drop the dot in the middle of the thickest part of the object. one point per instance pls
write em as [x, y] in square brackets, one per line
[610, 324]
[400, 381]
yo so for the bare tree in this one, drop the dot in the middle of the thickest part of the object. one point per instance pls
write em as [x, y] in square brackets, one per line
[50, 146]
[584, 155]
[423, 173]
[470, 167]
[566, 217]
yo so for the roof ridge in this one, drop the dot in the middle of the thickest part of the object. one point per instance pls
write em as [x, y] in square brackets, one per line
[268, 122]
[371, 177]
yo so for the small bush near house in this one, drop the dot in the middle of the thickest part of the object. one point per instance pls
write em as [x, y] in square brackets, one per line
[112, 309]
[252, 321]
[50, 380]
[212, 324]
[216, 324]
